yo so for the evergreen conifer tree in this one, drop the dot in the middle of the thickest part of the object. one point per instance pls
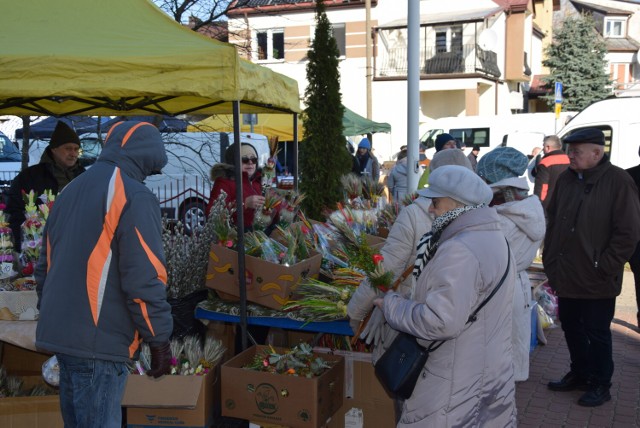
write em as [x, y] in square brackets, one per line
[323, 154]
[576, 58]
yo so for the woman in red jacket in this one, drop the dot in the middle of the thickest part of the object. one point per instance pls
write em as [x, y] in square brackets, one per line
[223, 177]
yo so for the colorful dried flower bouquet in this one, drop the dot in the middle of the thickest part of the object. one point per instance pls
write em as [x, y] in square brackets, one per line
[298, 361]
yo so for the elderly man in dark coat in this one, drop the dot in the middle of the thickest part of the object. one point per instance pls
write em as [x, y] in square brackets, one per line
[592, 231]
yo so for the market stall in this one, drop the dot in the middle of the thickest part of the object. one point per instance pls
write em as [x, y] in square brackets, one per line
[136, 62]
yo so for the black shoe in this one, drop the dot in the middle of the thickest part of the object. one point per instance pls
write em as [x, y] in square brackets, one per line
[570, 382]
[595, 396]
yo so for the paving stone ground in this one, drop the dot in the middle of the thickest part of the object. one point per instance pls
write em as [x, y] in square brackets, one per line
[540, 407]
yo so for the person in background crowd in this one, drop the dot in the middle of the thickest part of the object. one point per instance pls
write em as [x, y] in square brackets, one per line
[473, 156]
[101, 278]
[397, 179]
[534, 158]
[443, 142]
[468, 380]
[634, 261]
[399, 252]
[592, 231]
[367, 163]
[549, 168]
[223, 177]
[522, 221]
[58, 166]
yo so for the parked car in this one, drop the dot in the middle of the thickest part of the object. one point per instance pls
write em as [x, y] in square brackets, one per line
[10, 162]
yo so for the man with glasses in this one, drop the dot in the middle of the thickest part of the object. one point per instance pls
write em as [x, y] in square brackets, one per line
[592, 230]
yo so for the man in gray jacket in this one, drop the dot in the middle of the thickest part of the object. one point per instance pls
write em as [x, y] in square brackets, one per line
[102, 280]
[592, 230]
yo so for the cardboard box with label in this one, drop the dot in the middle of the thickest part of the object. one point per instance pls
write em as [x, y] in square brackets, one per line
[292, 401]
[31, 412]
[362, 392]
[268, 284]
[170, 401]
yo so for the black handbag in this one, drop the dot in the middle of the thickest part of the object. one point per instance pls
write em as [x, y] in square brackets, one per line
[399, 368]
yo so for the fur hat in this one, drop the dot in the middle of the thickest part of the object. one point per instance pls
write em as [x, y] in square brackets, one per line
[442, 139]
[459, 183]
[63, 134]
[586, 135]
[502, 163]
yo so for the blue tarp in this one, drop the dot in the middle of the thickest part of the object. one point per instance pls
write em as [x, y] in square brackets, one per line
[43, 129]
[84, 124]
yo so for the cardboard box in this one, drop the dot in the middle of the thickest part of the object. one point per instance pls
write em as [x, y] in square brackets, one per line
[31, 412]
[268, 284]
[170, 401]
[296, 402]
[362, 390]
[19, 361]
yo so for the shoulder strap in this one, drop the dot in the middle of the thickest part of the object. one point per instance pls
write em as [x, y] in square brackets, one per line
[473, 317]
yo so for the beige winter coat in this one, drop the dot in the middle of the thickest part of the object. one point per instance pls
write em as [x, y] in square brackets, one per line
[468, 381]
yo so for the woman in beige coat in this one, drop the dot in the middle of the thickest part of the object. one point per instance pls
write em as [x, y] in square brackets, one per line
[468, 381]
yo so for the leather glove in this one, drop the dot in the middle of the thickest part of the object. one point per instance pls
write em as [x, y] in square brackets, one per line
[160, 360]
[372, 333]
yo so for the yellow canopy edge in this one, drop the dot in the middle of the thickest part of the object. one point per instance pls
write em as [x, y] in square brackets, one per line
[127, 57]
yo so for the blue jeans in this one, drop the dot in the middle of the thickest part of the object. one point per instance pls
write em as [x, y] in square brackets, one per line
[91, 391]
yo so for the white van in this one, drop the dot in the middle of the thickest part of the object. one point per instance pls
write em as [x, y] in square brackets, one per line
[184, 186]
[619, 120]
[10, 162]
[489, 132]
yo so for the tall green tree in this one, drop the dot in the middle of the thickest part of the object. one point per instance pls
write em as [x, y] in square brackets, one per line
[576, 58]
[323, 154]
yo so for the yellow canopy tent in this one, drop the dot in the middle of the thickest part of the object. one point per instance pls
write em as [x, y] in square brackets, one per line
[271, 125]
[124, 57]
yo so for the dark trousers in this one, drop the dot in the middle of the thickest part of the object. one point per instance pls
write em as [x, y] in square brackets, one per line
[587, 329]
[634, 262]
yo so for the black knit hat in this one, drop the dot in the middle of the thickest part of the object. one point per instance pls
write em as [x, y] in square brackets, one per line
[229, 155]
[63, 134]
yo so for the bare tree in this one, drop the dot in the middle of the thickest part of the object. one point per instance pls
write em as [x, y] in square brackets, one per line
[205, 12]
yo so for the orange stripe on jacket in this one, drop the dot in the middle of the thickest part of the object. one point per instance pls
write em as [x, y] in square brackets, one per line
[554, 160]
[131, 131]
[98, 263]
[543, 191]
[145, 314]
[112, 128]
[135, 344]
[155, 261]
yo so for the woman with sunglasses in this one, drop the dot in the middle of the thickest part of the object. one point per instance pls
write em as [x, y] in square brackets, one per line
[223, 177]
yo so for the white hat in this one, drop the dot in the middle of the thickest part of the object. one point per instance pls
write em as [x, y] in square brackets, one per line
[459, 183]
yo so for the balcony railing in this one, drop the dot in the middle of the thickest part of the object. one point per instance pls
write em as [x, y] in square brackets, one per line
[467, 59]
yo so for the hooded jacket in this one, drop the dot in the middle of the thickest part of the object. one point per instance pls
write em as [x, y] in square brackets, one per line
[468, 381]
[101, 276]
[523, 225]
[38, 178]
[397, 180]
[592, 230]
[223, 177]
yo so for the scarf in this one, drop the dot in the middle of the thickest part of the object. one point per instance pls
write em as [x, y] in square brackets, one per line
[429, 242]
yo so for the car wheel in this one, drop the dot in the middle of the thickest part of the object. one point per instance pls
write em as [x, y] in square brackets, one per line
[192, 216]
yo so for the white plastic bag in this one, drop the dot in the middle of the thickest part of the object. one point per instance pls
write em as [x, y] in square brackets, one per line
[51, 371]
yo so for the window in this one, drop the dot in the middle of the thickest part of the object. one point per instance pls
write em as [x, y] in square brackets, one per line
[449, 39]
[340, 35]
[614, 27]
[471, 136]
[269, 44]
